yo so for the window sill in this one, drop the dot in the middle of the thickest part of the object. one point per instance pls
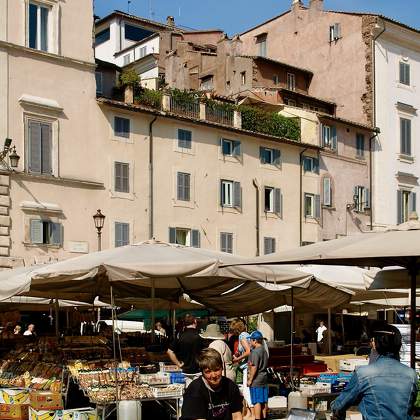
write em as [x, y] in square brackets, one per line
[231, 158]
[329, 149]
[226, 209]
[271, 215]
[185, 204]
[122, 195]
[406, 87]
[49, 246]
[405, 158]
[57, 179]
[360, 157]
[270, 166]
[311, 220]
[323, 206]
[124, 140]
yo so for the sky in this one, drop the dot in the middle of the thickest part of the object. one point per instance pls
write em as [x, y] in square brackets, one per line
[236, 16]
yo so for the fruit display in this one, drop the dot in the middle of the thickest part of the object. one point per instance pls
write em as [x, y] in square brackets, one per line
[106, 394]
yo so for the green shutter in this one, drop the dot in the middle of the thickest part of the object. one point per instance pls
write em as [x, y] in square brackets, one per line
[277, 157]
[262, 160]
[333, 140]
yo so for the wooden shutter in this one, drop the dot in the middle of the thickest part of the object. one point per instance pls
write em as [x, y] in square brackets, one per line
[237, 195]
[117, 176]
[118, 234]
[55, 231]
[37, 231]
[333, 140]
[317, 206]
[337, 30]
[229, 243]
[35, 148]
[236, 148]
[221, 194]
[399, 207]
[412, 202]
[46, 148]
[183, 186]
[277, 157]
[269, 245]
[277, 201]
[195, 238]
[223, 241]
[321, 135]
[316, 165]
[117, 126]
[262, 160]
[125, 177]
[172, 235]
[180, 186]
[366, 198]
[187, 187]
[326, 191]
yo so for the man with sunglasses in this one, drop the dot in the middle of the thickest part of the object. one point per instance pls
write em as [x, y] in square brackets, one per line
[212, 396]
[385, 389]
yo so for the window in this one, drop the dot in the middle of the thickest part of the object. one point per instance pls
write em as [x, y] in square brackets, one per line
[187, 237]
[230, 194]
[361, 198]
[405, 136]
[310, 164]
[45, 232]
[262, 45]
[230, 147]
[99, 87]
[102, 36]
[184, 139]
[126, 59]
[312, 203]
[272, 200]
[276, 79]
[406, 202]
[122, 127]
[135, 33]
[39, 147]
[122, 231]
[270, 156]
[226, 242]
[360, 145]
[38, 26]
[291, 81]
[404, 73]
[329, 136]
[143, 51]
[269, 246]
[326, 192]
[335, 32]
[121, 181]
[243, 77]
[290, 102]
[183, 186]
[206, 83]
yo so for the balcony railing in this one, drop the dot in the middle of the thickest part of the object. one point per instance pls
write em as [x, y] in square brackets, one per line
[219, 114]
[189, 109]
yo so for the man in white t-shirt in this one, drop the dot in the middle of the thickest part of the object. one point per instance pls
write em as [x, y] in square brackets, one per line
[30, 331]
[320, 332]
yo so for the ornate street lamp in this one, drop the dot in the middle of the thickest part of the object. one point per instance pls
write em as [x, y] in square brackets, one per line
[11, 152]
[99, 220]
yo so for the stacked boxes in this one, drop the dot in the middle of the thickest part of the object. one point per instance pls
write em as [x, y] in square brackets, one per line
[14, 403]
[45, 405]
[80, 414]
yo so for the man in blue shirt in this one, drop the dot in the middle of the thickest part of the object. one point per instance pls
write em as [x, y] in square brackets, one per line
[385, 389]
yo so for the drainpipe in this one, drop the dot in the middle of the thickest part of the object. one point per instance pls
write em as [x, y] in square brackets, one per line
[376, 131]
[257, 217]
[300, 194]
[151, 233]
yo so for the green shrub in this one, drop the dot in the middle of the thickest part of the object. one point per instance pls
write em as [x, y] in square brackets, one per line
[129, 78]
[148, 97]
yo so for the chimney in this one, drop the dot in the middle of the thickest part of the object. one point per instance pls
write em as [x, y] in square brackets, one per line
[170, 21]
[316, 5]
[296, 4]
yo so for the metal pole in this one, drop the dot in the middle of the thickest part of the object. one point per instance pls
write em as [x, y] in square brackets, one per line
[99, 241]
[291, 338]
[413, 275]
[114, 350]
[57, 314]
[153, 310]
[329, 332]
[173, 323]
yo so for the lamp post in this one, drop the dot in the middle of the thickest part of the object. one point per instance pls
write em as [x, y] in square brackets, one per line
[99, 220]
[11, 152]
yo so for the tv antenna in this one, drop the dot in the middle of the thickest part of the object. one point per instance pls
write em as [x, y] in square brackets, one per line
[128, 6]
[151, 12]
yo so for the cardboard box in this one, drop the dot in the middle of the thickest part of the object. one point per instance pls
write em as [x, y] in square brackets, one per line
[14, 396]
[45, 414]
[348, 365]
[14, 411]
[46, 400]
[87, 413]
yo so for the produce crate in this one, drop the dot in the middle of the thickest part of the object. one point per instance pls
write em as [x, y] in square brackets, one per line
[171, 391]
[154, 379]
[14, 411]
[45, 414]
[45, 400]
[177, 378]
[87, 413]
[14, 396]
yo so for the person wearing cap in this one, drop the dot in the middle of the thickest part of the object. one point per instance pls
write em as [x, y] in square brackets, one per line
[385, 389]
[217, 342]
[257, 375]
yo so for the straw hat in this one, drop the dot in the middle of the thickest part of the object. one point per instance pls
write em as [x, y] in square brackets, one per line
[212, 332]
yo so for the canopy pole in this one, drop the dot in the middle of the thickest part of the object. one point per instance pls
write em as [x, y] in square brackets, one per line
[292, 324]
[153, 310]
[114, 351]
[329, 332]
[173, 313]
[57, 314]
[342, 327]
[413, 275]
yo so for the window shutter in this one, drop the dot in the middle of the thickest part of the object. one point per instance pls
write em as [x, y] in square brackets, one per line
[277, 157]
[34, 129]
[36, 231]
[55, 230]
[118, 234]
[172, 235]
[180, 186]
[195, 238]
[187, 139]
[412, 202]
[46, 148]
[223, 242]
[321, 135]
[402, 72]
[126, 233]
[229, 243]
[221, 194]
[237, 195]
[117, 176]
[337, 30]
[317, 206]
[277, 201]
[326, 192]
[262, 155]
[125, 177]
[408, 137]
[187, 179]
[126, 127]
[333, 137]
[316, 165]
[117, 126]
[366, 198]
[237, 148]
[399, 207]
